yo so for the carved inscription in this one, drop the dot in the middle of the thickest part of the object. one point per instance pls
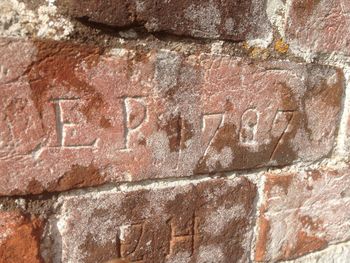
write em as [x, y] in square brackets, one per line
[211, 124]
[282, 118]
[95, 112]
[249, 127]
[132, 244]
[64, 127]
[135, 114]
[183, 239]
[129, 241]
[177, 140]
[179, 223]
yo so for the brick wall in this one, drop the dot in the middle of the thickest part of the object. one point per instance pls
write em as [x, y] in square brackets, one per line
[174, 131]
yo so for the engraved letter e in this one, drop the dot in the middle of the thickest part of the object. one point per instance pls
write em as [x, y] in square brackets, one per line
[61, 126]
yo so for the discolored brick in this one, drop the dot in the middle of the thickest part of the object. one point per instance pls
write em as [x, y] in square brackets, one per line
[319, 26]
[303, 212]
[19, 238]
[75, 116]
[209, 221]
[234, 20]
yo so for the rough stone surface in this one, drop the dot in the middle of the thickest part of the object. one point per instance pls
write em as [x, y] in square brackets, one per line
[228, 19]
[319, 26]
[38, 19]
[303, 213]
[19, 238]
[75, 116]
[204, 222]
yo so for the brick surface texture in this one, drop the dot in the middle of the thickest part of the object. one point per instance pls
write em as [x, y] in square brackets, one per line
[154, 115]
[162, 131]
[320, 26]
[19, 238]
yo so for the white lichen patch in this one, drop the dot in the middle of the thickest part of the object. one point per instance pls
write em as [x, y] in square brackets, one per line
[181, 257]
[206, 18]
[216, 47]
[276, 11]
[218, 219]
[225, 158]
[167, 70]
[211, 254]
[262, 36]
[16, 20]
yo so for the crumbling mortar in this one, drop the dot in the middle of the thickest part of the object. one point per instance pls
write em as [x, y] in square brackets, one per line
[37, 205]
[110, 37]
[260, 179]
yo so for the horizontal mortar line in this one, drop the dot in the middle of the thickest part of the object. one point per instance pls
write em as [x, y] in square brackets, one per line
[331, 59]
[108, 186]
[188, 40]
[111, 185]
[168, 181]
[172, 181]
[155, 183]
[112, 31]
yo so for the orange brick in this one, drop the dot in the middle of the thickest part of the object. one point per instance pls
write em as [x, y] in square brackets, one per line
[19, 238]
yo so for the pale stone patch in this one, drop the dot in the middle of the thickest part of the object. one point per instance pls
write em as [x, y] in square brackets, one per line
[217, 220]
[16, 20]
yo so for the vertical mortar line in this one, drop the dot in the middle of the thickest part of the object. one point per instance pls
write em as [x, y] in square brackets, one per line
[341, 140]
[288, 4]
[259, 199]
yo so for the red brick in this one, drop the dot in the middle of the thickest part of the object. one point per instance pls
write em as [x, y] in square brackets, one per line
[205, 222]
[19, 238]
[303, 212]
[319, 26]
[78, 116]
[223, 19]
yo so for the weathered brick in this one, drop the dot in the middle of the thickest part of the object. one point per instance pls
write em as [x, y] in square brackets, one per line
[75, 116]
[319, 26]
[19, 238]
[205, 222]
[302, 213]
[228, 19]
